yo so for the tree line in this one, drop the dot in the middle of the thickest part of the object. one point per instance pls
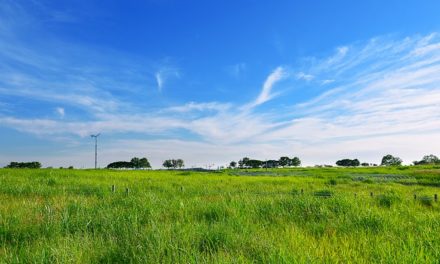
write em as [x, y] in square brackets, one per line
[24, 165]
[254, 163]
[428, 160]
[143, 163]
[134, 163]
[173, 164]
[389, 160]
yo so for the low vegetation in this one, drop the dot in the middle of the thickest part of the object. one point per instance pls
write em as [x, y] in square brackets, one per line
[292, 215]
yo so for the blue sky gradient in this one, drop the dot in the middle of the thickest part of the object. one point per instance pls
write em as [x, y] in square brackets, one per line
[211, 82]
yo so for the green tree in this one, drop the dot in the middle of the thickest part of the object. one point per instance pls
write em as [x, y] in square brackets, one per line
[295, 162]
[173, 163]
[120, 165]
[284, 161]
[348, 162]
[168, 164]
[144, 163]
[254, 163]
[428, 159]
[390, 160]
[136, 162]
[233, 164]
[24, 165]
[243, 162]
[270, 164]
[178, 163]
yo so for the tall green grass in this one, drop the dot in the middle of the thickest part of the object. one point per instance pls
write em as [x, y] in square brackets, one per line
[72, 216]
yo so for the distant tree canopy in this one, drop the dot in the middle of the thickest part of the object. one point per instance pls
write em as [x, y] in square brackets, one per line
[233, 164]
[24, 165]
[428, 159]
[120, 165]
[135, 163]
[140, 163]
[271, 164]
[390, 160]
[284, 161]
[348, 162]
[167, 164]
[243, 162]
[295, 162]
[173, 163]
[254, 163]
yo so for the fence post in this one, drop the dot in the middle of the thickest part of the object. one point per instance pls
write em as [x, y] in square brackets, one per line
[415, 196]
[371, 194]
[127, 191]
[113, 188]
[435, 197]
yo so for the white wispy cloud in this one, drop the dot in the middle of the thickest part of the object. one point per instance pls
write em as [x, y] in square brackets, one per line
[60, 111]
[159, 80]
[193, 106]
[324, 82]
[342, 51]
[164, 74]
[380, 96]
[266, 92]
[238, 69]
[303, 76]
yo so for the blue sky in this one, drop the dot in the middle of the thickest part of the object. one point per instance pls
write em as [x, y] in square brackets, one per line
[214, 81]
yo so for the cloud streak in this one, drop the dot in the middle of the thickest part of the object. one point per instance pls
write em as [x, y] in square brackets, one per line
[363, 101]
[266, 93]
[60, 111]
[165, 74]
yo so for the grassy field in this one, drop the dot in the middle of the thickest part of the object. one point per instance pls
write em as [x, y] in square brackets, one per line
[303, 215]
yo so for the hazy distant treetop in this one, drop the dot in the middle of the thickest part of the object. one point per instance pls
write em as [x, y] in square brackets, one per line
[140, 163]
[390, 160]
[348, 162]
[295, 162]
[173, 163]
[23, 165]
[428, 159]
[136, 163]
[284, 161]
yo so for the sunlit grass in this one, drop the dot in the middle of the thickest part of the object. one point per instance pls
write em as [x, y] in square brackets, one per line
[292, 216]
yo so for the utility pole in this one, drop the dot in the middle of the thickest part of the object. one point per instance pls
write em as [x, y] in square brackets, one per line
[96, 149]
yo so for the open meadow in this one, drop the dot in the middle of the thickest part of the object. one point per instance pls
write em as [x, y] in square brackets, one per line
[301, 215]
